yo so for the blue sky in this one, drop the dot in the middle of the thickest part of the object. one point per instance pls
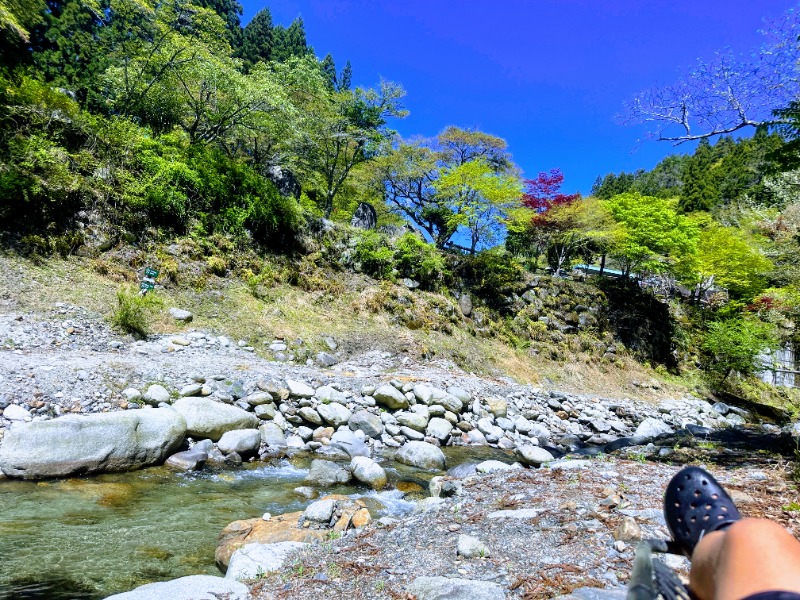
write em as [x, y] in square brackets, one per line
[549, 76]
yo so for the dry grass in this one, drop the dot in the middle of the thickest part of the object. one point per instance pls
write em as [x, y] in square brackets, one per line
[357, 312]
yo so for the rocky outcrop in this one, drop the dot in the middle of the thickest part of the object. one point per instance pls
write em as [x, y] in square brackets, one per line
[85, 444]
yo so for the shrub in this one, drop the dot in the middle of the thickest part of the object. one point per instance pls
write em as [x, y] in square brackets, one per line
[420, 261]
[735, 345]
[216, 265]
[375, 255]
[492, 275]
[132, 314]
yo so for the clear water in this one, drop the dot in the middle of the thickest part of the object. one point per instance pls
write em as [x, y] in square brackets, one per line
[88, 538]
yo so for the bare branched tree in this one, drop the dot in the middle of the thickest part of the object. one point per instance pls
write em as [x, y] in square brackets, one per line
[728, 92]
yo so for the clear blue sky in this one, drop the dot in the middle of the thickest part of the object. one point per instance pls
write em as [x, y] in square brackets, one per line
[549, 76]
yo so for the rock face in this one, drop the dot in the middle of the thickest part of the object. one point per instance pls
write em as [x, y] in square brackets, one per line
[194, 587]
[282, 528]
[251, 560]
[208, 419]
[421, 455]
[73, 445]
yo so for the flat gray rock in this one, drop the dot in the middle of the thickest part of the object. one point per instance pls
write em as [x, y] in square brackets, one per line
[252, 560]
[442, 588]
[193, 587]
[180, 314]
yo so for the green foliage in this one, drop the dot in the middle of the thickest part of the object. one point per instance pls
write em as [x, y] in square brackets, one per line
[409, 256]
[420, 261]
[257, 39]
[735, 345]
[461, 180]
[375, 255]
[492, 275]
[133, 311]
[650, 233]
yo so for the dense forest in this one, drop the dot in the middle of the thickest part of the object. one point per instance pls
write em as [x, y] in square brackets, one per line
[170, 118]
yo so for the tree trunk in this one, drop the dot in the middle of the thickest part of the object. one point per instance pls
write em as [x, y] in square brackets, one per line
[602, 263]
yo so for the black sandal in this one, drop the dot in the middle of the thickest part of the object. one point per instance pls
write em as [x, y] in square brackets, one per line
[695, 504]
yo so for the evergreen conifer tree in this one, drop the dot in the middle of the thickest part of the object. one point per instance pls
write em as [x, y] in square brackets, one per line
[345, 78]
[329, 71]
[257, 39]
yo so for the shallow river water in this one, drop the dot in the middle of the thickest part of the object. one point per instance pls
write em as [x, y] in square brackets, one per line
[87, 538]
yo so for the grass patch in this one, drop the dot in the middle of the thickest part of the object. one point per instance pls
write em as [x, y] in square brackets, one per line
[133, 311]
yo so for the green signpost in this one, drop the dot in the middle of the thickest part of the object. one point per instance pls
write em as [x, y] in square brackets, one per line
[148, 281]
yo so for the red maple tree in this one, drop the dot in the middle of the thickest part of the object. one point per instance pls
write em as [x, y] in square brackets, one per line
[544, 192]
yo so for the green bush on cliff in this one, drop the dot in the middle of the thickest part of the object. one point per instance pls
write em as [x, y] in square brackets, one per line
[420, 261]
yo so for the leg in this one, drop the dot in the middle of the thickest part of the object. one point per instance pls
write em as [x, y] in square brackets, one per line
[750, 556]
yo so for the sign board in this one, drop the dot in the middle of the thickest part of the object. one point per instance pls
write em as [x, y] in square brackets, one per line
[146, 286]
[150, 272]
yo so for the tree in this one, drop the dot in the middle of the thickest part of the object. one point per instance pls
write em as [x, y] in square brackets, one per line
[651, 234]
[478, 197]
[328, 68]
[345, 130]
[531, 229]
[152, 44]
[735, 345]
[230, 11]
[17, 20]
[726, 93]
[700, 190]
[577, 227]
[345, 78]
[468, 161]
[725, 259]
[257, 39]
[289, 42]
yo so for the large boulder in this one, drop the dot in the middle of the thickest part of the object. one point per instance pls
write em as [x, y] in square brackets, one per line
[82, 444]
[649, 429]
[327, 473]
[280, 528]
[252, 560]
[368, 472]
[421, 455]
[439, 428]
[244, 442]
[534, 455]
[389, 396]
[206, 418]
[414, 420]
[365, 421]
[193, 587]
[334, 414]
[346, 440]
